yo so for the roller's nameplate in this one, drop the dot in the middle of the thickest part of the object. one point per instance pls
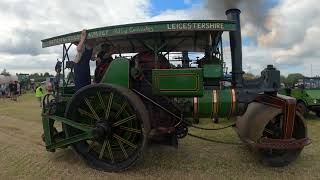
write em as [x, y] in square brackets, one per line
[195, 26]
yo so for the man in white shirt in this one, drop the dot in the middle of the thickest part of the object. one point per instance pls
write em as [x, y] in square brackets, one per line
[82, 75]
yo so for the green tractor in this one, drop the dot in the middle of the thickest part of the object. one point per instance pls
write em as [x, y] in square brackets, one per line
[145, 96]
[24, 80]
[307, 93]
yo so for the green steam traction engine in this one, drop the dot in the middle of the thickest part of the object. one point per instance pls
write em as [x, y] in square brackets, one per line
[145, 97]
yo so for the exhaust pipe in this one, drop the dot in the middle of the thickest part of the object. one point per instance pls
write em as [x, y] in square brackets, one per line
[236, 48]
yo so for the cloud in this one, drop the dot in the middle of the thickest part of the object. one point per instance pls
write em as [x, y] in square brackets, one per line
[25, 22]
[25, 42]
[286, 34]
[25, 63]
[293, 32]
[288, 22]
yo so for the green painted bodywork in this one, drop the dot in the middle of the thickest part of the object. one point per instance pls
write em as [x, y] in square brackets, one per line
[212, 71]
[224, 104]
[306, 90]
[117, 72]
[205, 105]
[311, 97]
[51, 143]
[313, 93]
[148, 27]
[178, 82]
[184, 83]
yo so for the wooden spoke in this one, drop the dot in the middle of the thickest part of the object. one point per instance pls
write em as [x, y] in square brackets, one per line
[84, 112]
[124, 120]
[124, 141]
[109, 106]
[110, 151]
[130, 129]
[120, 110]
[101, 100]
[102, 149]
[122, 149]
[91, 109]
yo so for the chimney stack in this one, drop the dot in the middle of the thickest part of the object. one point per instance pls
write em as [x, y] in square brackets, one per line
[236, 47]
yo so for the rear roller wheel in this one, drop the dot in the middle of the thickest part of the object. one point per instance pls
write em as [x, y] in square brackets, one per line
[120, 122]
[276, 157]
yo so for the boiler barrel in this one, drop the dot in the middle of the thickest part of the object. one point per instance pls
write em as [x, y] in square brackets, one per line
[215, 103]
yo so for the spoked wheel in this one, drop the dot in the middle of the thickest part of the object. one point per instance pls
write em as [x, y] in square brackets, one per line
[276, 157]
[120, 123]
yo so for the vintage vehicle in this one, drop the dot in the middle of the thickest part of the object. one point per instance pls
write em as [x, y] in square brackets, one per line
[24, 80]
[307, 93]
[145, 97]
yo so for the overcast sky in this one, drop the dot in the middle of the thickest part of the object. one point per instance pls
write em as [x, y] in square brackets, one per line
[281, 32]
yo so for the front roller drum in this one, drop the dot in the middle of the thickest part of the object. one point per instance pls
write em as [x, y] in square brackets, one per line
[284, 151]
[262, 128]
[120, 125]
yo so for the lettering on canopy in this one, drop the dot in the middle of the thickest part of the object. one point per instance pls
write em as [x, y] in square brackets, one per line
[195, 26]
[120, 31]
[143, 28]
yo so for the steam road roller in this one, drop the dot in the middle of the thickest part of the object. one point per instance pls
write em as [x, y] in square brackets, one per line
[164, 77]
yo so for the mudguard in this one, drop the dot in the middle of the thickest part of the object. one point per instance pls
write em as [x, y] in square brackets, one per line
[117, 73]
[250, 125]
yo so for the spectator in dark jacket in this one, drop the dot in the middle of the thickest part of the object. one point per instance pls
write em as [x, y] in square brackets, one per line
[103, 60]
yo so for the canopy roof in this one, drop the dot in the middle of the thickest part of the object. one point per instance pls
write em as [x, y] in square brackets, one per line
[191, 35]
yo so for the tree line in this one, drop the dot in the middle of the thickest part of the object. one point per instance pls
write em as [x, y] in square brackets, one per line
[38, 77]
[288, 81]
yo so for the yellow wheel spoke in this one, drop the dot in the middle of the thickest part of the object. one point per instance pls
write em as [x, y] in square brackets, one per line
[102, 149]
[110, 151]
[124, 120]
[101, 100]
[124, 141]
[109, 106]
[91, 109]
[84, 112]
[122, 149]
[130, 129]
[120, 110]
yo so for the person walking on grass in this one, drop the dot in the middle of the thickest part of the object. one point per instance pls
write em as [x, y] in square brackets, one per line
[2, 92]
[39, 94]
[13, 90]
[16, 91]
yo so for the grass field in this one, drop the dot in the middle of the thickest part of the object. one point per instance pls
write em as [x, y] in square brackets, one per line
[23, 155]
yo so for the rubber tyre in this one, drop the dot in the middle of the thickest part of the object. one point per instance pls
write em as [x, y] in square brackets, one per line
[141, 112]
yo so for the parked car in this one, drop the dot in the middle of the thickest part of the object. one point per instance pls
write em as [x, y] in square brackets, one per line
[307, 93]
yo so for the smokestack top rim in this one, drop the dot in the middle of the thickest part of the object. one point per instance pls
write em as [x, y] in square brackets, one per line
[233, 10]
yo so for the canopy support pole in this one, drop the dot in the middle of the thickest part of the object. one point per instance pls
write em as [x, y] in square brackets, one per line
[65, 56]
